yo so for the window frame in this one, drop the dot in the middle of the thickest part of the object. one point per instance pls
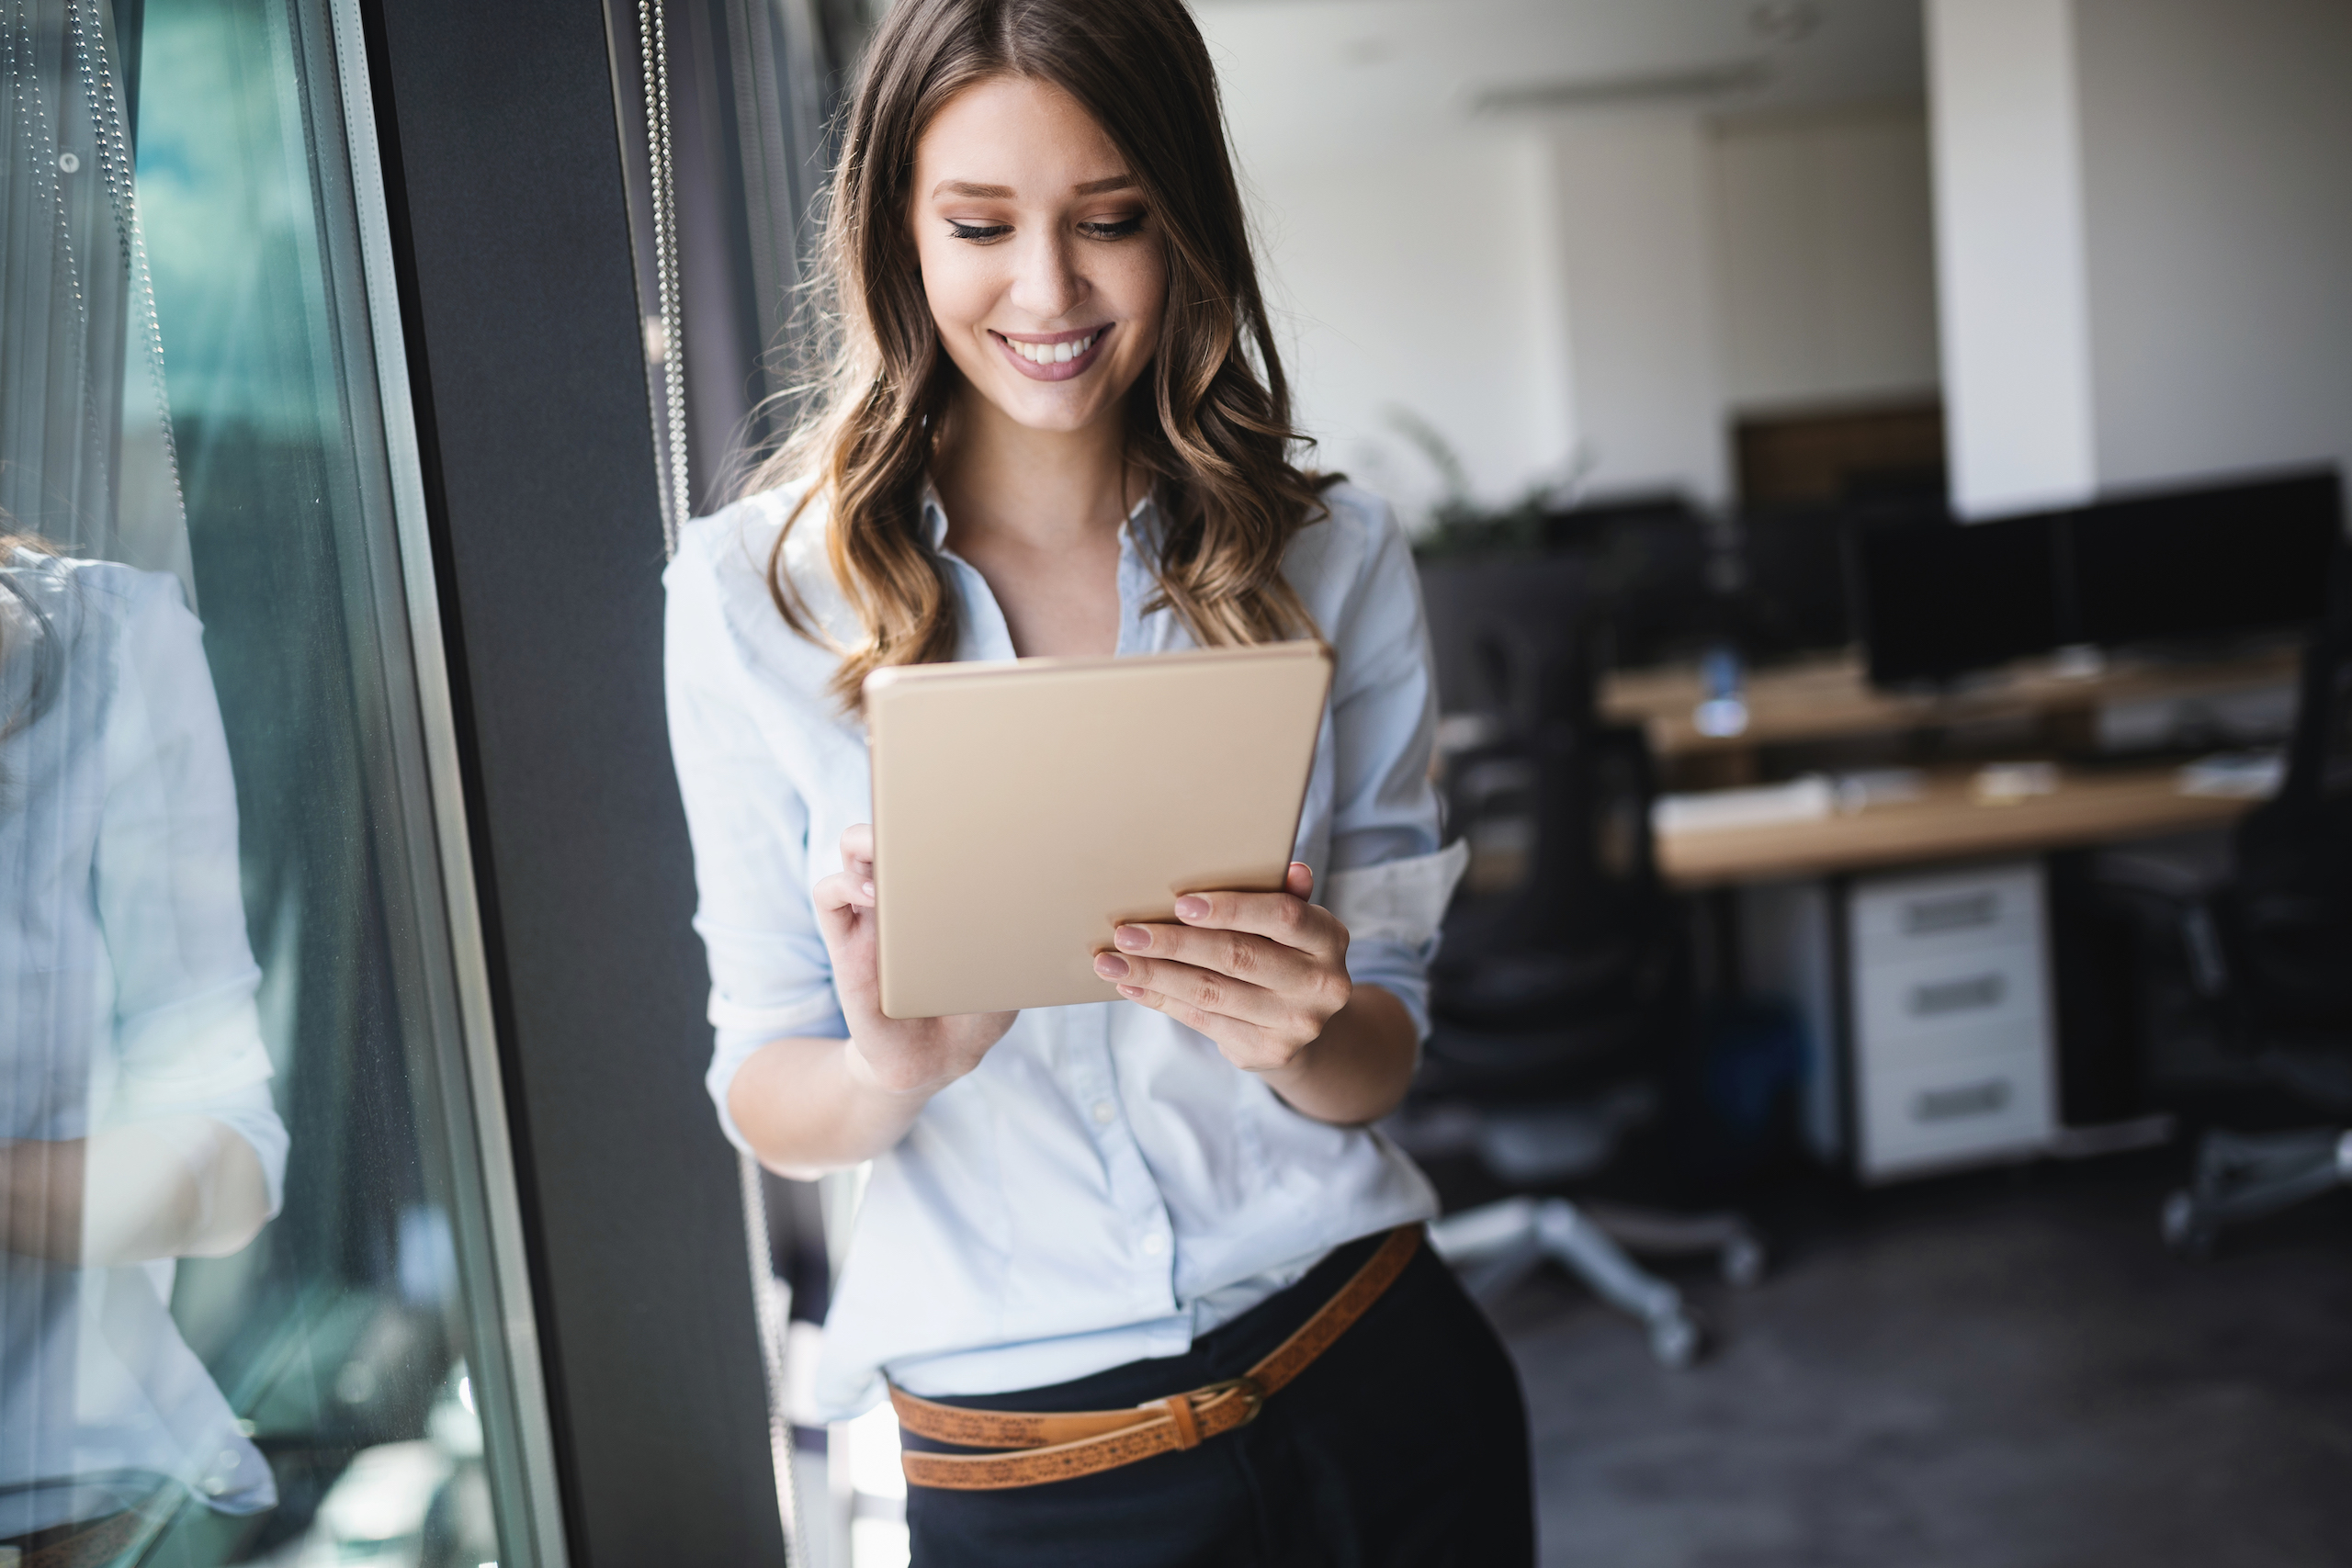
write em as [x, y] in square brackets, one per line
[532, 539]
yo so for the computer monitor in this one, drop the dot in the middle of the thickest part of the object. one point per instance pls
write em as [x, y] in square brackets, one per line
[1937, 599]
[2198, 565]
[1508, 632]
[1793, 596]
[1646, 561]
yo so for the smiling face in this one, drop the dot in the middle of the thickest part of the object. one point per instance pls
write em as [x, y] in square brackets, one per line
[1041, 264]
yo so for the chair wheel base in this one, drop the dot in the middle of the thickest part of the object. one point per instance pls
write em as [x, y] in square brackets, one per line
[2185, 1230]
[1677, 1341]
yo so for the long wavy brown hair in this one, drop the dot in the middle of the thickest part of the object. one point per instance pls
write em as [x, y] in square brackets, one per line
[1209, 420]
[40, 649]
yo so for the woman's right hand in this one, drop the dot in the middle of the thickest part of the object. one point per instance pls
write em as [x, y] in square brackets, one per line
[896, 1056]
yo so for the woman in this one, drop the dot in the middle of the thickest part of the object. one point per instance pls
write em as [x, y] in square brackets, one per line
[136, 1122]
[1056, 424]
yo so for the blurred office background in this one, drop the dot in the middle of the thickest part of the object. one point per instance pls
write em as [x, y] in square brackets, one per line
[1877, 470]
[1926, 424]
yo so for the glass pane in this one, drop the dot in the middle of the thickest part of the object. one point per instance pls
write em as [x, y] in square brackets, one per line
[241, 1253]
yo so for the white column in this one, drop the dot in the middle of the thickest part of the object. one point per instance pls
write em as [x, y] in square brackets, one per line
[2011, 281]
[2217, 177]
[1636, 255]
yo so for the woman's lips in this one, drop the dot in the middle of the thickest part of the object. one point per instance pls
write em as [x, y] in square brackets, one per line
[1055, 370]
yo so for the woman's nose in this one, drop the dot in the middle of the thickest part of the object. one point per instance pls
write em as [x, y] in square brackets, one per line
[1047, 284]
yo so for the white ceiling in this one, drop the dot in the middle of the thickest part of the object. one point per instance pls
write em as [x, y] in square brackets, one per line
[1315, 82]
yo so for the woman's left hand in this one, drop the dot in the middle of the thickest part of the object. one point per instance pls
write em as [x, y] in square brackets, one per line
[1261, 974]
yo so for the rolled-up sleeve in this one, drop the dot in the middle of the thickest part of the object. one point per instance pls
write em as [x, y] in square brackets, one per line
[188, 1037]
[770, 975]
[1389, 879]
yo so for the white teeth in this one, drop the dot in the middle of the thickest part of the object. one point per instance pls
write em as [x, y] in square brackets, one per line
[1054, 353]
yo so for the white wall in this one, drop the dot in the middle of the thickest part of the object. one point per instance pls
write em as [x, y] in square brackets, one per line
[2144, 232]
[1635, 209]
[1600, 292]
[2014, 306]
[1827, 239]
[1423, 283]
[1427, 261]
[2216, 185]
[1756, 263]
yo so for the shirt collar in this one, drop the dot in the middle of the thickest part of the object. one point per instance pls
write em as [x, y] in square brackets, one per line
[1141, 527]
[934, 516]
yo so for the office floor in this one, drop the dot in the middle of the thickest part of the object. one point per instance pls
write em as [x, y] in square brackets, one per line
[2003, 1369]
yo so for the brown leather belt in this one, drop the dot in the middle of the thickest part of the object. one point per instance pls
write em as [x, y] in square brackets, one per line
[1080, 1442]
[91, 1544]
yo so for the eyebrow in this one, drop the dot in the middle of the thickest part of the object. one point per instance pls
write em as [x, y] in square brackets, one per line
[1005, 193]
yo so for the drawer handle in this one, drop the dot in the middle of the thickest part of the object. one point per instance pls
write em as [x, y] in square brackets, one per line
[1957, 996]
[1965, 1099]
[1931, 916]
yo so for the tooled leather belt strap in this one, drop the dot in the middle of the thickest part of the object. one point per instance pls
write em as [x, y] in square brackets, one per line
[1080, 1442]
[95, 1543]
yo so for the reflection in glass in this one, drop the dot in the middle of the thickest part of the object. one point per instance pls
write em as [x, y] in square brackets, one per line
[232, 1325]
[135, 1107]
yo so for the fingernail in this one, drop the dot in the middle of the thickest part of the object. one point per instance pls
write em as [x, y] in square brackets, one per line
[1110, 965]
[1192, 906]
[1131, 991]
[1130, 938]
[868, 887]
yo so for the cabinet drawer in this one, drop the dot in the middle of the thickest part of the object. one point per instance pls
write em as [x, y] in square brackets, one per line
[1919, 1010]
[1978, 1042]
[1895, 919]
[1948, 1112]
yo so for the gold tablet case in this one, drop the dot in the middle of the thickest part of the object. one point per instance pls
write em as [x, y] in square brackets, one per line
[1023, 808]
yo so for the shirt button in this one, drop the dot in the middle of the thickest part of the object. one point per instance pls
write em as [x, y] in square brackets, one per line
[1155, 1245]
[1104, 1111]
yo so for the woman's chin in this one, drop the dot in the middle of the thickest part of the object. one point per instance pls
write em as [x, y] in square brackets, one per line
[1056, 407]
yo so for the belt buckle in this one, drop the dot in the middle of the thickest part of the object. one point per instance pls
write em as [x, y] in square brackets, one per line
[1252, 1393]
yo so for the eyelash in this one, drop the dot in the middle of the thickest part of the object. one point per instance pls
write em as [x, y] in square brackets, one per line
[983, 233]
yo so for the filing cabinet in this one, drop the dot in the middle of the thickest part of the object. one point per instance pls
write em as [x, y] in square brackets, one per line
[1953, 1038]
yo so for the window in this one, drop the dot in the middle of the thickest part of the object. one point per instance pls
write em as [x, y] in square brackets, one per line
[258, 1293]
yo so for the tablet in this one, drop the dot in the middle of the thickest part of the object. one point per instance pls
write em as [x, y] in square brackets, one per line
[1024, 808]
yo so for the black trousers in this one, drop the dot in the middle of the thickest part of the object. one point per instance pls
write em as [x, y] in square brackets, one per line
[1404, 1445]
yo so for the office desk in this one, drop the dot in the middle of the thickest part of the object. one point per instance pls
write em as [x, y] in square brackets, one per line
[1933, 1013]
[1938, 1044]
[1946, 823]
[1832, 699]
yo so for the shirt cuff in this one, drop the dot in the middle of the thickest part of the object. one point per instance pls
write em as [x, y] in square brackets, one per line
[734, 1048]
[1399, 968]
[250, 1114]
[1397, 900]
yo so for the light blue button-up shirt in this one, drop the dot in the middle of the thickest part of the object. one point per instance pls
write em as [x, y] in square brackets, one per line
[1105, 1185]
[126, 995]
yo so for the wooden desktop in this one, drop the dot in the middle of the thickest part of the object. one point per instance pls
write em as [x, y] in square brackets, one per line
[1949, 821]
[1910, 931]
[1829, 701]
[1830, 697]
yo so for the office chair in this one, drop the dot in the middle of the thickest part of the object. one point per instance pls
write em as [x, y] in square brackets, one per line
[2271, 949]
[1653, 571]
[1558, 985]
[1793, 597]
